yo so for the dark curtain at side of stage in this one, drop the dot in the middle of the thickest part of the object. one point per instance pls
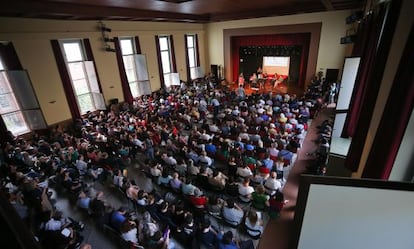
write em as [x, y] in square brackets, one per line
[251, 57]
[290, 40]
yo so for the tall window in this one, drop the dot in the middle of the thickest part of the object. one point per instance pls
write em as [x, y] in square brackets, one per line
[19, 108]
[135, 68]
[167, 61]
[192, 51]
[192, 57]
[9, 107]
[83, 77]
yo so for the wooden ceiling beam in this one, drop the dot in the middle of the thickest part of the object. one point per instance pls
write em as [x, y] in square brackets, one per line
[328, 5]
[19, 8]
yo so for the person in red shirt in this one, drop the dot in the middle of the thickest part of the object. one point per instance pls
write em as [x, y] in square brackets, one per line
[198, 200]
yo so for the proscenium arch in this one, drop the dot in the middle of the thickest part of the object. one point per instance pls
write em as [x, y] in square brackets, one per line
[313, 28]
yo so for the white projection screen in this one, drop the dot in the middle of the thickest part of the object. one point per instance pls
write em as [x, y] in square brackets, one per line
[276, 65]
[344, 213]
[349, 74]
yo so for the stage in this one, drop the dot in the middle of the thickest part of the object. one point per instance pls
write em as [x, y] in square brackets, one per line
[267, 87]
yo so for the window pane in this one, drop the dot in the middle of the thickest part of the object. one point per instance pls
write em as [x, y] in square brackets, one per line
[81, 86]
[134, 89]
[126, 46]
[1, 65]
[131, 76]
[130, 68]
[128, 61]
[85, 103]
[141, 67]
[8, 103]
[34, 119]
[164, 43]
[190, 41]
[73, 51]
[15, 123]
[191, 59]
[76, 71]
[92, 79]
[166, 65]
[4, 84]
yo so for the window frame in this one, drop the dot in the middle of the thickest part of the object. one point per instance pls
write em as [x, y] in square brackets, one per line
[169, 74]
[22, 113]
[93, 89]
[192, 53]
[140, 84]
[16, 109]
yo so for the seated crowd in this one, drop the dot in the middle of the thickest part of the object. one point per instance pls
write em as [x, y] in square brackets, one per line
[218, 153]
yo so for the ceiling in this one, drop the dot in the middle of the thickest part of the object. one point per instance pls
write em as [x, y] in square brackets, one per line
[196, 11]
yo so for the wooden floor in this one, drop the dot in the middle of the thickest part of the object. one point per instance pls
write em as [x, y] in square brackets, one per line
[277, 234]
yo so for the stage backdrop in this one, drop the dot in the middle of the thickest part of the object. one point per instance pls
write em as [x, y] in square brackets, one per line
[278, 43]
[251, 57]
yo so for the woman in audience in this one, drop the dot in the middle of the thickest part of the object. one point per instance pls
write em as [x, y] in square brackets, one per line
[147, 227]
[254, 223]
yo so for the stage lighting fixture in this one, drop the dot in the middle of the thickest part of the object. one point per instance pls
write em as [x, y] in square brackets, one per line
[356, 16]
[107, 39]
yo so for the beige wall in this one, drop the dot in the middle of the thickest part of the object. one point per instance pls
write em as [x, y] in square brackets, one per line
[31, 39]
[330, 55]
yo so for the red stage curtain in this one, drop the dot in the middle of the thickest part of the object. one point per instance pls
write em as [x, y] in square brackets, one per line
[301, 39]
[373, 59]
[394, 119]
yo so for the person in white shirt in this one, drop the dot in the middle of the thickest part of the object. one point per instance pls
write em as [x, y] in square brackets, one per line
[272, 185]
[245, 190]
[244, 171]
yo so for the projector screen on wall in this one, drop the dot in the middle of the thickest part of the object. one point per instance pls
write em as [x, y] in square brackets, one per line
[276, 65]
[345, 213]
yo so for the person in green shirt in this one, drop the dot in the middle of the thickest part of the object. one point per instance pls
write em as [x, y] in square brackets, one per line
[260, 200]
